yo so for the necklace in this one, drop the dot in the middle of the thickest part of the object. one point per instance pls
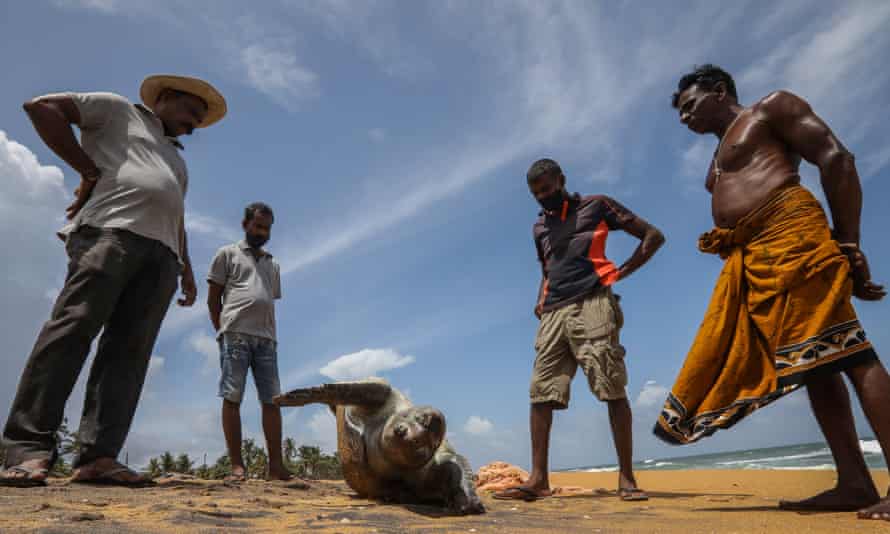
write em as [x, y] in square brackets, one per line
[717, 171]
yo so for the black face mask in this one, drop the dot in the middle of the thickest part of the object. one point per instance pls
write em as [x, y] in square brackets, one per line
[552, 202]
[255, 241]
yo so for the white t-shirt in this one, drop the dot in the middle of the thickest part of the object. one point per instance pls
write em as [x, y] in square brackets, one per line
[144, 179]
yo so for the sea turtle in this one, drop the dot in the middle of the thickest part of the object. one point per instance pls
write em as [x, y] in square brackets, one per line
[389, 448]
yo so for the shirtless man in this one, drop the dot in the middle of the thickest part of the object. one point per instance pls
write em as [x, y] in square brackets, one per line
[757, 201]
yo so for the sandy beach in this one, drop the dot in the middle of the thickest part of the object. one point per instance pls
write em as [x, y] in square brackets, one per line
[682, 501]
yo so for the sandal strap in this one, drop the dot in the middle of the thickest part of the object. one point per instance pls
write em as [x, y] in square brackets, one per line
[28, 470]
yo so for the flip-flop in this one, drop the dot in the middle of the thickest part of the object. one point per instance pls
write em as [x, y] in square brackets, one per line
[26, 481]
[106, 478]
[235, 479]
[519, 493]
[632, 494]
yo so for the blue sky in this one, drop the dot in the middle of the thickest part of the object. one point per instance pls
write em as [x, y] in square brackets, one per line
[391, 138]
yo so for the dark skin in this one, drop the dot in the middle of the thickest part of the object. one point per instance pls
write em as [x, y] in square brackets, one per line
[53, 118]
[620, 417]
[260, 226]
[760, 150]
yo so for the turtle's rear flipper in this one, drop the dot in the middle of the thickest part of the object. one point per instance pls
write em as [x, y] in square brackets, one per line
[349, 393]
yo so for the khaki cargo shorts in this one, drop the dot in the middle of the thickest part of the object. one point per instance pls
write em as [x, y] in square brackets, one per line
[586, 334]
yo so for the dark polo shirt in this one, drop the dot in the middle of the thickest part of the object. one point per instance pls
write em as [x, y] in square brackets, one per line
[571, 247]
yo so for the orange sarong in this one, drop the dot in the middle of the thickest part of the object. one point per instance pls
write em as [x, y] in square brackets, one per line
[780, 311]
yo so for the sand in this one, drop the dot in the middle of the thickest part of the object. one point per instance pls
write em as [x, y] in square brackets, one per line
[682, 502]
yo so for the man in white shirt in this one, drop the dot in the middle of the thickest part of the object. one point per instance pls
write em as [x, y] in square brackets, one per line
[244, 283]
[127, 246]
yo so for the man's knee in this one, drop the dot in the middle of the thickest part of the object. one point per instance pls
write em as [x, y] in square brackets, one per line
[547, 406]
[858, 373]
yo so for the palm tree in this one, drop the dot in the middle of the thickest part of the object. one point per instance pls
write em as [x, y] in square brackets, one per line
[222, 467]
[255, 460]
[310, 457]
[168, 463]
[154, 468]
[184, 464]
[290, 453]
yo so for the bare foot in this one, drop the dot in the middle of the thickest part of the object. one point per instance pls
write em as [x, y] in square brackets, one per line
[834, 500]
[280, 474]
[28, 473]
[878, 511]
[238, 474]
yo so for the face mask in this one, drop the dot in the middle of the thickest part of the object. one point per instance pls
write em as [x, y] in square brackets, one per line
[255, 241]
[552, 202]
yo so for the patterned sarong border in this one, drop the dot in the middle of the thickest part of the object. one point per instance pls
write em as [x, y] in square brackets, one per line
[850, 350]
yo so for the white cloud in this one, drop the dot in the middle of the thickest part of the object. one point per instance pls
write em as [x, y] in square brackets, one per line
[323, 429]
[543, 103]
[276, 72]
[372, 28]
[652, 394]
[105, 6]
[824, 55]
[365, 363]
[478, 426]
[32, 204]
[25, 179]
[207, 347]
[211, 227]
[155, 366]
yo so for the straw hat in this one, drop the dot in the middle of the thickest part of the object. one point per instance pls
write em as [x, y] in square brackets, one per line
[216, 104]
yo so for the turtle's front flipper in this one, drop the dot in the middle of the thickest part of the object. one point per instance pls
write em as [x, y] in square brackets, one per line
[450, 476]
[343, 393]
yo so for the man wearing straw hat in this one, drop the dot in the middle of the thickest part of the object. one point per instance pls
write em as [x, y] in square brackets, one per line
[126, 244]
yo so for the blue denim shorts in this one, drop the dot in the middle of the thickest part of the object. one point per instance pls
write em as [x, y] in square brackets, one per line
[237, 352]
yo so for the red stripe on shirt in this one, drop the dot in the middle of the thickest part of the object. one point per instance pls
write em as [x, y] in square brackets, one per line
[604, 268]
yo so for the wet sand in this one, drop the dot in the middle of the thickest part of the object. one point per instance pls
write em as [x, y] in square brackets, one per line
[682, 502]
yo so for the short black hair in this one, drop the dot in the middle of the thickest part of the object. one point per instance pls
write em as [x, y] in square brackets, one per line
[169, 91]
[542, 167]
[258, 207]
[706, 76]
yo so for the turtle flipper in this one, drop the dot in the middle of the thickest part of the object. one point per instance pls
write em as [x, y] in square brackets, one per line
[371, 393]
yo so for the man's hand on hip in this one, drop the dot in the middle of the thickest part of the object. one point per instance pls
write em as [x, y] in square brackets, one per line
[81, 195]
[863, 287]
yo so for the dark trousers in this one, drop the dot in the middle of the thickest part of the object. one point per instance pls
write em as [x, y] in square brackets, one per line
[118, 281]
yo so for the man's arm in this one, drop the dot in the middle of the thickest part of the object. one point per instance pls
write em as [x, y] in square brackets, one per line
[542, 288]
[794, 122]
[52, 118]
[542, 294]
[651, 240]
[214, 303]
[188, 286]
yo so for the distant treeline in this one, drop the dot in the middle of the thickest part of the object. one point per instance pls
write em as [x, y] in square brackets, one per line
[304, 461]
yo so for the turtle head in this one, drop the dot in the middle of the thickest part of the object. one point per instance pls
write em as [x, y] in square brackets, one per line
[411, 437]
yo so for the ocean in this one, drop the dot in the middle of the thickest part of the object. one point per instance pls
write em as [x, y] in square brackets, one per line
[803, 456]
